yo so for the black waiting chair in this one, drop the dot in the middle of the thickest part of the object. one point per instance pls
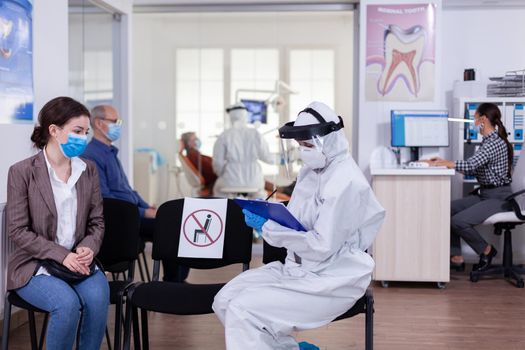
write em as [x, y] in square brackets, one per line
[365, 305]
[182, 298]
[505, 222]
[12, 299]
[118, 253]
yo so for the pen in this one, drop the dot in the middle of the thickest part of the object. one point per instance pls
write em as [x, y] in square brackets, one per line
[271, 194]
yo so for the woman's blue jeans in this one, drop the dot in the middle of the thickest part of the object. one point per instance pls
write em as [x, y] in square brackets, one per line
[66, 303]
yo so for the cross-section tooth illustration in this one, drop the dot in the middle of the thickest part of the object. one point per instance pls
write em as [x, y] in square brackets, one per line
[403, 51]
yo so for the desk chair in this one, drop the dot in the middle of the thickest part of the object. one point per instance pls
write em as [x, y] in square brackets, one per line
[182, 298]
[505, 222]
[365, 305]
[118, 253]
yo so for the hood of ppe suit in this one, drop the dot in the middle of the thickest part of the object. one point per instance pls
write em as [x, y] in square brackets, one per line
[238, 116]
[335, 143]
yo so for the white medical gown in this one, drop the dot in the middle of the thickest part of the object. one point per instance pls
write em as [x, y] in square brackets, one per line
[236, 156]
[326, 269]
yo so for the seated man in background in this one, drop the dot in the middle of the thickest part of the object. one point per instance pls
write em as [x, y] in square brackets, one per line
[106, 126]
[203, 163]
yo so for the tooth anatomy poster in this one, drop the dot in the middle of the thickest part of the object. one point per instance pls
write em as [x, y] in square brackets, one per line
[16, 61]
[400, 52]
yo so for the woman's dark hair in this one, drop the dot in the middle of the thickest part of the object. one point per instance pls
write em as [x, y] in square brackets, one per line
[493, 114]
[58, 111]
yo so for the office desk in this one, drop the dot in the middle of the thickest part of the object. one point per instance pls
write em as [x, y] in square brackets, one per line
[414, 241]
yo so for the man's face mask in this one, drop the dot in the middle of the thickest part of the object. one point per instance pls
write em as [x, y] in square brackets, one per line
[114, 130]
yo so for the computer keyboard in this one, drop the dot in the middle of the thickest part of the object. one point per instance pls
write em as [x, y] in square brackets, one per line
[417, 165]
[422, 165]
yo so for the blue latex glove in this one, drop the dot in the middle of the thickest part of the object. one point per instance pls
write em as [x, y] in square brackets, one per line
[307, 346]
[253, 220]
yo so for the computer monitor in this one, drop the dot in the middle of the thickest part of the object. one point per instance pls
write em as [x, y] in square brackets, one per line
[257, 110]
[411, 128]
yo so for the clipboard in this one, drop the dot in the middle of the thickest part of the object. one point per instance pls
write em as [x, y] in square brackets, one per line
[271, 210]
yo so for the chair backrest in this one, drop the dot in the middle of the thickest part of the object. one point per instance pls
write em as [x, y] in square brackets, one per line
[195, 179]
[121, 234]
[237, 237]
[271, 253]
[518, 180]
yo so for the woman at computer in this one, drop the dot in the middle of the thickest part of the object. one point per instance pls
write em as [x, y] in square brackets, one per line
[491, 165]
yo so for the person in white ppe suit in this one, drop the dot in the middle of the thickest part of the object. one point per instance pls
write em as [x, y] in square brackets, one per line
[326, 269]
[236, 154]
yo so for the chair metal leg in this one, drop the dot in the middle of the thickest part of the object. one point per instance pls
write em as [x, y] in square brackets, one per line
[108, 340]
[127, 327]
[148, 276]
[136, 331]
[7, 321]
[145, 336]
[43, 332]
[118, 321]
[369, 323]
[32, 329]
[141, 271]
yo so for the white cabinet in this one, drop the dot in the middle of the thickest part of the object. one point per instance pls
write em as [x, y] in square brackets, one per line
[413, 243]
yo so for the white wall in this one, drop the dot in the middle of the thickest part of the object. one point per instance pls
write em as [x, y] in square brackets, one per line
[50, 73]
[489, 40]
[157, 36]
[492, 42]
[374, 117]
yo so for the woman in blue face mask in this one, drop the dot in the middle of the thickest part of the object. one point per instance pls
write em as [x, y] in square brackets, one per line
[54, 213]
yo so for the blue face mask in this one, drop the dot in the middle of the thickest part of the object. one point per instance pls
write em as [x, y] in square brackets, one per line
[75, 145]
[198, 144]
[478, 128]
[114, 130]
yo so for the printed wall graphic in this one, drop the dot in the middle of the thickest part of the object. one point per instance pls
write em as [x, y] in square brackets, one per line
[203, 228]
[400, 52]
[16, 61]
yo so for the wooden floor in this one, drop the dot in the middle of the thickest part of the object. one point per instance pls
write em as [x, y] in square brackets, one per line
[489, 314]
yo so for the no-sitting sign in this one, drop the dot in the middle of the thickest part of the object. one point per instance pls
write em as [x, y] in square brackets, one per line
[202, 229]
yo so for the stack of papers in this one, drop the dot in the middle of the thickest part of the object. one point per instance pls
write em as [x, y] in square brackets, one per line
[510, 85]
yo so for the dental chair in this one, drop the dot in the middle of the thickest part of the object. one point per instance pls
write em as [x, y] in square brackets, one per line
[505, 222]
[194, 177]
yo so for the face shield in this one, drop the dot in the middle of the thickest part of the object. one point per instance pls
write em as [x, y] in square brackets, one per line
[306, 141]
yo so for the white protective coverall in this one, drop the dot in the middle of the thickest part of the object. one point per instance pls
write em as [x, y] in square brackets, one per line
[260, 308]
[236, 154]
